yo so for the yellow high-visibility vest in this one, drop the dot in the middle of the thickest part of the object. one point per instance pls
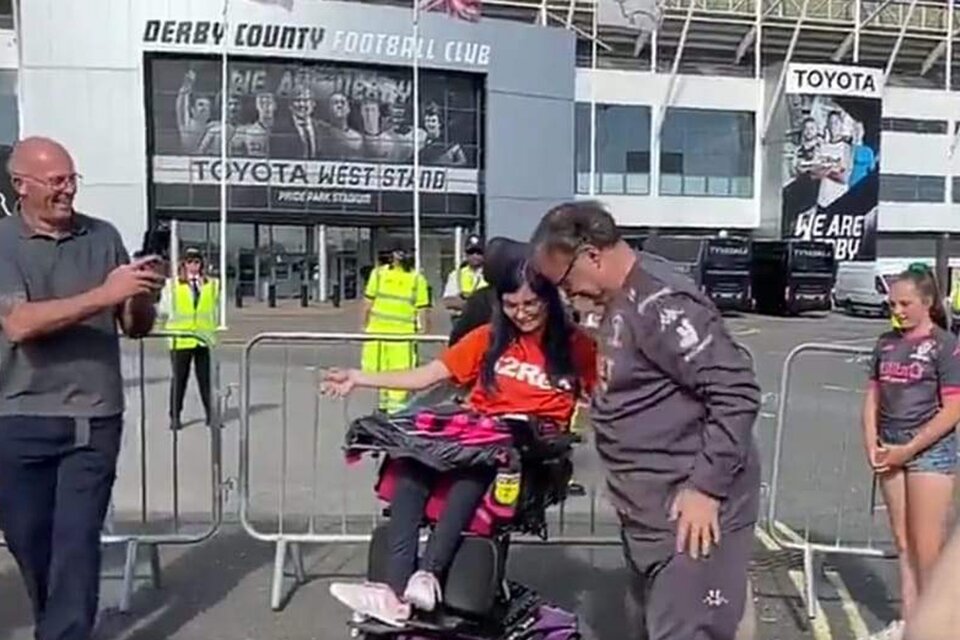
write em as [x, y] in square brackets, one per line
[955, 297]
[396, 294]
[198, 316]
[470, 280]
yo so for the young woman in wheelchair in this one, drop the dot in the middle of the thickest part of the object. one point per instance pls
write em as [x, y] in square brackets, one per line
[529, 360]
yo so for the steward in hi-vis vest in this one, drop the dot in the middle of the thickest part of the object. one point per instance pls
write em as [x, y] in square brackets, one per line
[191, 303]
[466, 279]
[394, 299]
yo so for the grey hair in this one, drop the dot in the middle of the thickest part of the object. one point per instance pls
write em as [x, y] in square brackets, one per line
[570, 225]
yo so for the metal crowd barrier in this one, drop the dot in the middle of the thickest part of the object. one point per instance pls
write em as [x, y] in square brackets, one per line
[298, 482]
[144, 533]
[141, 529]
[149, 529]
[823, 493]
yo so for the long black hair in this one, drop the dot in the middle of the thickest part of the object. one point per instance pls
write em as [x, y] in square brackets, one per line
[925, 282]
[557, 330]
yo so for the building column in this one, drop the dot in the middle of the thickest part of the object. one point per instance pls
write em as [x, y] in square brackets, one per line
[321, 236]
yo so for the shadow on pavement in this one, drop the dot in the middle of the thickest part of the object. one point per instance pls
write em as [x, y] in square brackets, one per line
[149, 381]
[871, 588]
[591, 582]
[233, 413]
[187, 589]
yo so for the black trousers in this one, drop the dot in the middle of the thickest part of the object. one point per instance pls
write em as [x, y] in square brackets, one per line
[54, 493]
[181, 359]
[414, 484]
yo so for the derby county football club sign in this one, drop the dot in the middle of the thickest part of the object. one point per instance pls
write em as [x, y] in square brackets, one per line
[832, 180]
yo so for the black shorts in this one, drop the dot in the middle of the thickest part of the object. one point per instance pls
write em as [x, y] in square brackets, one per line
[673, 596]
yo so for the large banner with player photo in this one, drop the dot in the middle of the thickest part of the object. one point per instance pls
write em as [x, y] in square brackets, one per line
[312, 137]
[832, 173]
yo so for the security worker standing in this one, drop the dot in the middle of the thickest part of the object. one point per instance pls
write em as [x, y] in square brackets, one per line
[465, 279]
[395, 298]
[191, 304]
[955, 306]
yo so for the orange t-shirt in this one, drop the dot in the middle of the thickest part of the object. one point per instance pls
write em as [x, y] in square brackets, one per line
[522, 385]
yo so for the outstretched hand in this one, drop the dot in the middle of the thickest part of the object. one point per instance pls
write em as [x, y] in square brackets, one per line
[339, 382]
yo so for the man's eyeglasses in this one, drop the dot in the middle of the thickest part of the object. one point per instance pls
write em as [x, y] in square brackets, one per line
[56, 183]
[577, 252]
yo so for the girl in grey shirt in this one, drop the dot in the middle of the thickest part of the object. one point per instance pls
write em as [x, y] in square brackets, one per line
[911, 408]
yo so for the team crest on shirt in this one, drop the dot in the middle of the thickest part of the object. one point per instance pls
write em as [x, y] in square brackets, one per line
[688, 335]
[668, 317]
[924, 351]
[616, 336]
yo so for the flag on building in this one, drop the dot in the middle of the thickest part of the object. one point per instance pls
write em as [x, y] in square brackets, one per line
[461, 9]
[640, 15]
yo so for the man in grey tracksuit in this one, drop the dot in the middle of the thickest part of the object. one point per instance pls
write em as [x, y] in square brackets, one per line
[673, 417]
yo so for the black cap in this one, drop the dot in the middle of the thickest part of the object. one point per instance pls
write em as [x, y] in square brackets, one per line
[392, 245]
[192, 253]
[503, 256]
[474, 244]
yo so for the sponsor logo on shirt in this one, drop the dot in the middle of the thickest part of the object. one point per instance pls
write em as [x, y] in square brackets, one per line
[899, 372]
[510, 367]
[605, 367]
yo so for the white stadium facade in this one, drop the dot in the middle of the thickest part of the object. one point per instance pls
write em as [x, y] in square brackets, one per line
[691, 131]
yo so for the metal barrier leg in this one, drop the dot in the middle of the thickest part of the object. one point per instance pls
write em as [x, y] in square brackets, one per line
[156, 580]
[296, 553]
[810, 582]
[279, 560]
[129, 575]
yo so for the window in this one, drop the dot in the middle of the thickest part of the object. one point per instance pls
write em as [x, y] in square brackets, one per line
[907, 188]
[956, 189]
[622, 149]
[707, 153]
[6, 14]
[914, 125]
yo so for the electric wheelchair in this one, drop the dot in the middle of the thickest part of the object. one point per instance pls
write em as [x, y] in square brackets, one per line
[479, 601]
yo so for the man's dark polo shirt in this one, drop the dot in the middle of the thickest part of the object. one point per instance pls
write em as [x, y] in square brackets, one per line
[74, 372]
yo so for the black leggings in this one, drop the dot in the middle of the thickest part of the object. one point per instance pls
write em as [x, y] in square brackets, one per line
[414, 484]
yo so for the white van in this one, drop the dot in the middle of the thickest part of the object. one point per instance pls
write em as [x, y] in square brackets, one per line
[863, 287]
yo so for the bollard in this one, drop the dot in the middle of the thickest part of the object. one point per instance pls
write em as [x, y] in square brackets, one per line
[335, 297]
[238, 296]
[304, 295]
[272, 295]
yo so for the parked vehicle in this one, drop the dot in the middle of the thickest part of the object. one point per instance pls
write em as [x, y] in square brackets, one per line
[719, 266]
[792, 276]
[863, 287]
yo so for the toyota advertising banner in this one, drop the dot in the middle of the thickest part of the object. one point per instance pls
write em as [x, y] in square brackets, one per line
[832, 157]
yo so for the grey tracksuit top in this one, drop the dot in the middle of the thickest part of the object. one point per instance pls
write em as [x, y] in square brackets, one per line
[676, 403]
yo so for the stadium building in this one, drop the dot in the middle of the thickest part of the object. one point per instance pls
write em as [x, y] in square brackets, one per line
[697, 126]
